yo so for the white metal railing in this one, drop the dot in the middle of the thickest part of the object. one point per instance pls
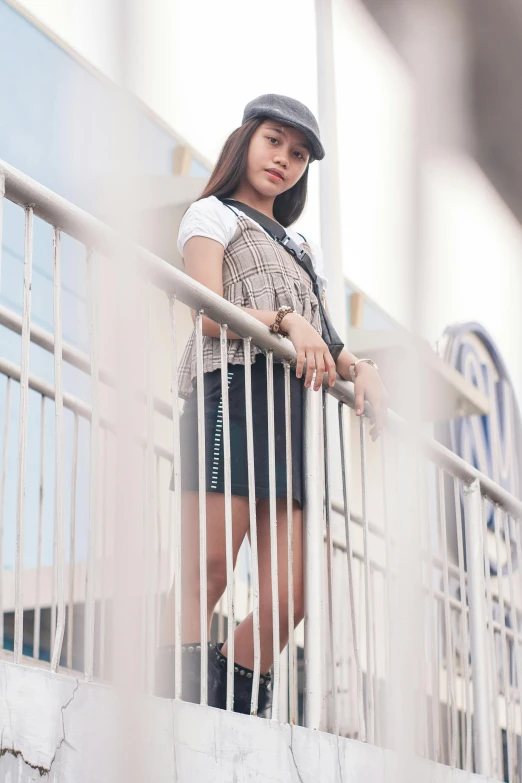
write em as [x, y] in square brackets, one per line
[465, 672]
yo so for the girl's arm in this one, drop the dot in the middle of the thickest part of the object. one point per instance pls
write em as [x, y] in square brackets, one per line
[204, 262]
[368, 384]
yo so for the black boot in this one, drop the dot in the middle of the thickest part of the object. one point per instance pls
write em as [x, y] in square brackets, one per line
[217, 678]
[191, 672]
[242, 686]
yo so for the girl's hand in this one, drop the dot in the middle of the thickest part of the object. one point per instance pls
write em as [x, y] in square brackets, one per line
[368, 384]
[311, 347]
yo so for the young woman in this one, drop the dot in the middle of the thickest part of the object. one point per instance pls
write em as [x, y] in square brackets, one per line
[264, 164]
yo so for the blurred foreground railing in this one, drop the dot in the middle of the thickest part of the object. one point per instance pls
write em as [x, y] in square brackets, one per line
[401, 597]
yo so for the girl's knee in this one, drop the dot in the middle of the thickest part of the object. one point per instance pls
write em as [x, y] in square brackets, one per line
[284, 610]
[216, 582]
[216, 579]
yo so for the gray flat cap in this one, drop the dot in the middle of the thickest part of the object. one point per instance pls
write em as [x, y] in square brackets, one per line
[290, 112]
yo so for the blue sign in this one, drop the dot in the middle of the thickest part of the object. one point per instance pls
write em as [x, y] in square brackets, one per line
[492, 442]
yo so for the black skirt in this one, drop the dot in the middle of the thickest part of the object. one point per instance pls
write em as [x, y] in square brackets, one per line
[214, 460]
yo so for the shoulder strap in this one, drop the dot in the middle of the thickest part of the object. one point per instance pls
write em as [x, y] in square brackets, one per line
[278, 233]
[271, 226]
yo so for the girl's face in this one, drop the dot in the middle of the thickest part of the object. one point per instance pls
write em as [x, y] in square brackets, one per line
[277, 158]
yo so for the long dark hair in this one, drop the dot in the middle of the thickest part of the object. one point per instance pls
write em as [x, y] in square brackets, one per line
[231, 165]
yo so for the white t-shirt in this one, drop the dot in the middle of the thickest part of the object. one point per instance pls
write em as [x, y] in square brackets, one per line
[209, 217]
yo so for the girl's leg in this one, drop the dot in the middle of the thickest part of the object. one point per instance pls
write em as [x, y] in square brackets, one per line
[216, 562]
[244, 640]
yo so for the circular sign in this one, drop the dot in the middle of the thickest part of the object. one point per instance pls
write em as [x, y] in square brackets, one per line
[491, 442]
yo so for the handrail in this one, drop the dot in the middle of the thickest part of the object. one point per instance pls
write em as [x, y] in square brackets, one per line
[73, 356]
[439, 454]
[98, 236]
[57, 211]
[72, 403]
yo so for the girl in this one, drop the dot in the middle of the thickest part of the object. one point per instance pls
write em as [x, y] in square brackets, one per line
[263, 164]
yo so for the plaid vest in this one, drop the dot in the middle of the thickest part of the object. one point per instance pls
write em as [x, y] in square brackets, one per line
[259, 274]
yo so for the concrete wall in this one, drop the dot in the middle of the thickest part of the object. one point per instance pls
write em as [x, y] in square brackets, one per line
[55, 727]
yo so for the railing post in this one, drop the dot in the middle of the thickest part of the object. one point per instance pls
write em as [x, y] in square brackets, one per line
[477, 616]
[313, 554]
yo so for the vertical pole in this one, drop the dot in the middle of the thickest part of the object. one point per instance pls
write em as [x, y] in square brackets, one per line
[57, 642]
[229, 543]
[150, 498]
[313, 521]
[3, 483]
[253, 525]
[329, 186]
[274, 565]
[292, 660]
[92, 299]
[349, 562]
[72, 545]
[369, 701]
[176, 524]
[464, 618]
[22, 439]
[476, 596]
[104, 524]
[37, 604]
[496, 745]
[202, 490]
[450, 687]
[333, 717]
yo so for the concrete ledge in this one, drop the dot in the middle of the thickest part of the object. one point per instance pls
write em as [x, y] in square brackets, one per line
[61, 729]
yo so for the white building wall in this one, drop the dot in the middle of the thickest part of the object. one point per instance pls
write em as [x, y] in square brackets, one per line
[375, 153]
[473, 248]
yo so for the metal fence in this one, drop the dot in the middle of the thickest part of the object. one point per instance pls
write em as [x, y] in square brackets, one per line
[412, 577]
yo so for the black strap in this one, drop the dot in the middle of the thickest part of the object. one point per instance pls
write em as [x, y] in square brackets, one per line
[278, 233]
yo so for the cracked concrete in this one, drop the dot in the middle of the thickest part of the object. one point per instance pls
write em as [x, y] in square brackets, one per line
[293, 756]
[339, 761]
[19, 754]
[27, 715]
[175, 760]
[61, 730]
[63, 726]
